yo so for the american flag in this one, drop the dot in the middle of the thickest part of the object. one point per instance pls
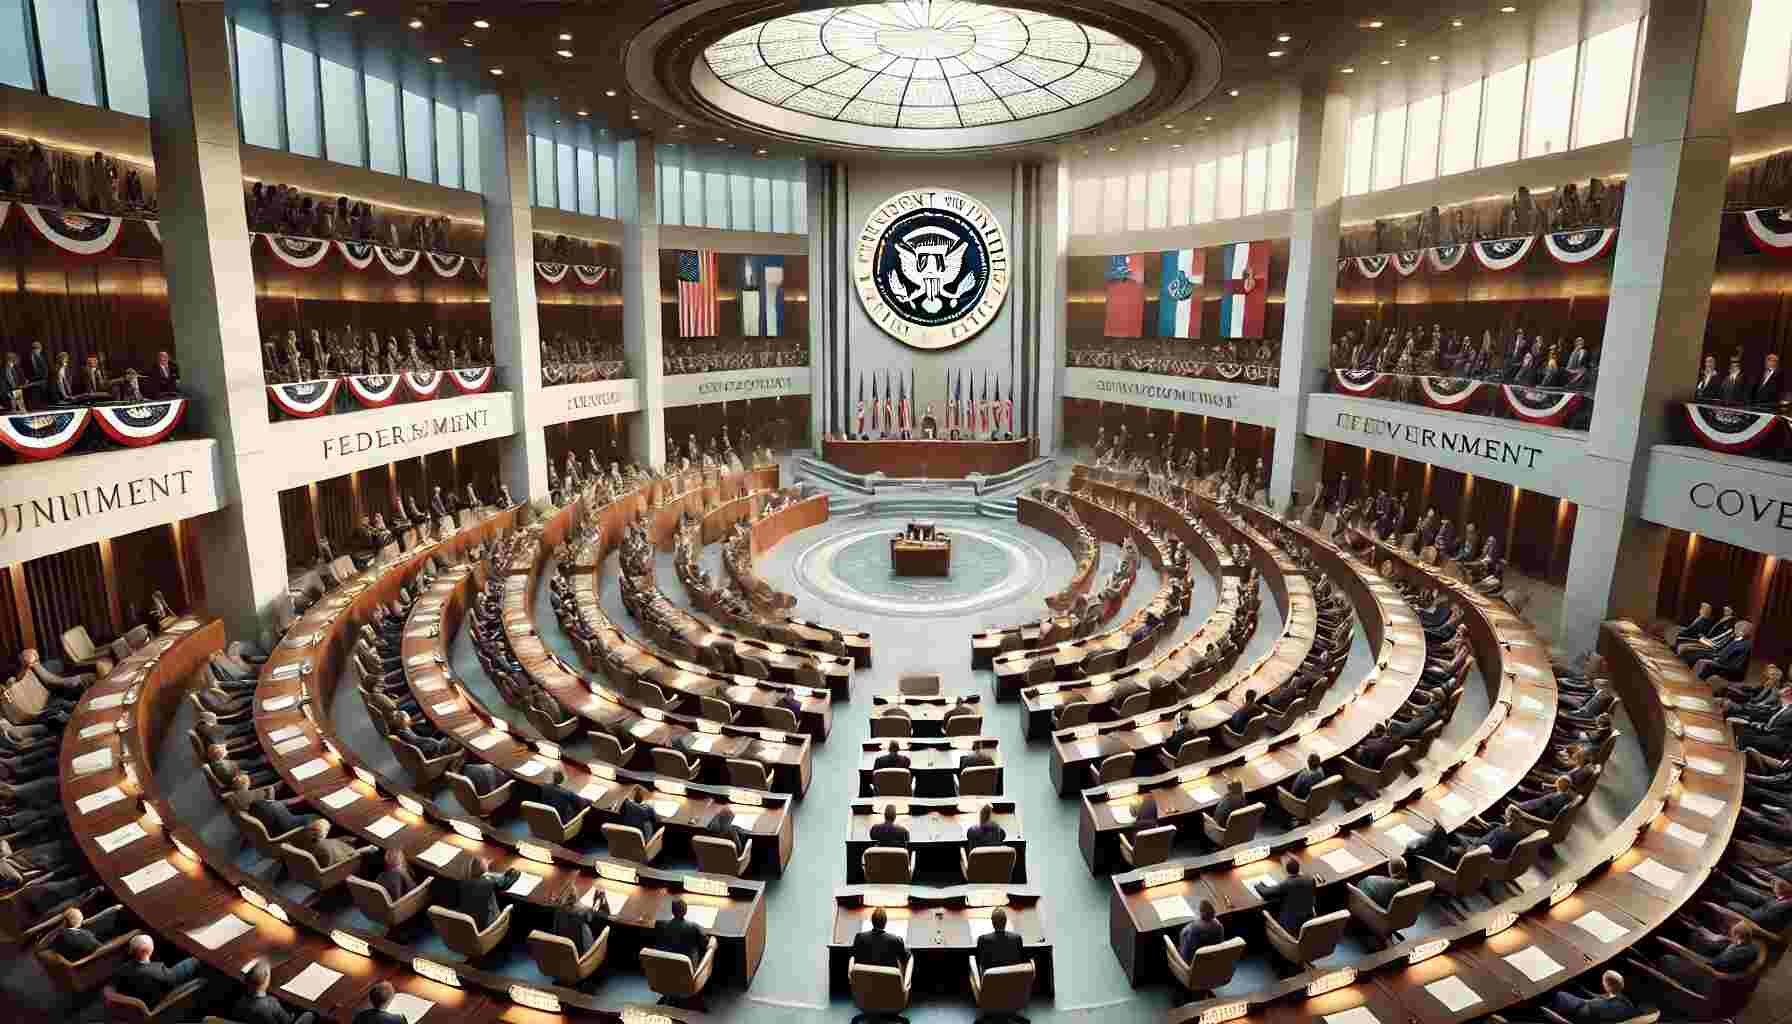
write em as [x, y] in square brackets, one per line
[697, 313]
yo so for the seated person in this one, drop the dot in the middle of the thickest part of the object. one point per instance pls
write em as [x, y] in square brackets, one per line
[636, 813]
[1381, 889]
[1502, 839]
[986, 832]
[1241, 718]
[1731, 660]
[887, 832]
[142, 978]
[1610, 1006]
[43, 893]
[876, 947]
[405, 728]
[892, 757]
[1696, 629]
[1233, 799]
[1771, 911]
[1204, 930]
[231, 735]
[677, 935]
[396, 877]
[722, 826]
[376, 1013]
[1146, 818]
[1312, 775]
[1599, 703]
[1294, 897]
[479, 890]
[1550, 806]
[978, 758]
[1435, 845]
[959, 707]
[260, 1008]
[66, 686]
[1732, 953]
[275, 815]
[999, 947]
[1373, 751]
[216, 699]
[576, 922]
[76, 940]
[44, 792]
[328, 852]
[485, 778]
[552, 792]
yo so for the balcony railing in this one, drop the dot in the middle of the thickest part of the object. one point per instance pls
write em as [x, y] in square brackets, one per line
[1758, 431]
[327, 395]
[1539, 406]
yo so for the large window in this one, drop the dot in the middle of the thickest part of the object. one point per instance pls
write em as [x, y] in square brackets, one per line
[1607, 61]
[1551, 101]
[1462, 129]
[1502, 116]
[343, 119]
[419, 135]
[1390, 146]
[712, 187]
[258, 87]
[1359, 158]
[1422, 121]
[299, 69]
[383, 136]
[127, 86]
[1766, 59]
[65, 44]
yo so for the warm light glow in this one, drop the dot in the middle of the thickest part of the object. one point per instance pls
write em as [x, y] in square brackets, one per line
[1122, 791]
[1426, 950]
[435, 972]
[466, 830]
[353, 943]
[534, 851]
[1331, 982]
[705, 886]
[481, 23]
[986, 898]
[618, 872]
[1162, 876]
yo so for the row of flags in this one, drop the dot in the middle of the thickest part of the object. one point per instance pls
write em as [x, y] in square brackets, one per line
[1241, 279]
[761, 295]
[893, 405]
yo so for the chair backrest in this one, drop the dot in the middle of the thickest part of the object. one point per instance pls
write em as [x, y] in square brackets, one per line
[1241, 827]
[877, 988]
[918, 684]
[1040, 670]
[1115, 767]
[752, 666]
[715, 709]
[559, 959]
[1193, 749]
[1213, 965]
[782, 719]
[463, 936]
[1073, 714]
[992, 865]
[1523, 857]
[1404, 908]
[544, 822]
[1471, 870]
[77, 643]
[891, 727]
[1137, 704]
[964, 725]
[1102, 661]
[1320, 935]
[980, 780]
[671, 762]
[626, 842]
[608, 749]
[893, 782]
[1152, 846]
[1006, 989]
[886, 864]
[716, 855]
[747, 774]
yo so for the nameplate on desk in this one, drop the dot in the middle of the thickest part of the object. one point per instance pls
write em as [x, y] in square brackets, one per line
[315, 766]
[1704, 735]
[429, 685]
[312, 982]
[440, 854]
[1601, 927]
[447, 707]
[1453, 993]
[1122, 813]
[279, 703]
[341, 798]
[1705, 765]
[296, 743]
[221, 932]
[150, 875]
[1201, 792]
[106, 703]
[94, 801]
[287, 671]
[92, 761]
[99, 729]
[386, 827]
[768, 751]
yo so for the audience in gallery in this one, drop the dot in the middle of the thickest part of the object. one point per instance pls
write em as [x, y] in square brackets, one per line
[354, 352]
[38, 381]
[710, 355]
[1736, 386]
[1255, 361]
[1526, 361]
[566, 359]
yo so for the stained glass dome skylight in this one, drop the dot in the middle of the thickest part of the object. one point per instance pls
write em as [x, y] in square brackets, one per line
[924, 64]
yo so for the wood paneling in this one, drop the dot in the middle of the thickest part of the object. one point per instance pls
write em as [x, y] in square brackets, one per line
[67, 589]
[116, 304]
[295, 525]
[145, 562]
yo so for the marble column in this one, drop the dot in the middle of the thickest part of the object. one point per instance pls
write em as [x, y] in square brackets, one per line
[1322, 129]
[821, 367]
[1054, 296]
[637, 187]
[211, 299]
[1660, 293]
[510, 280]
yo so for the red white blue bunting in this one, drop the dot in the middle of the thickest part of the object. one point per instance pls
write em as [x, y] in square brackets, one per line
[1445, 258]
[357, 254]
[552, 273]
[1452, 393]
[1582, 246]
[590, 277]
[1543, 408]
[305, 398]
[78, 234]
[1371, 266]
[445, 265]
[1503, 253]
[472, 381]
[1228, 371]
[398, 261]
[1770, 229]
[298, 253]
[42, 435]
[1730, 430]
[372, 390]
[1361, 383]
[423, 385]
[1409, 262]
[142, 424]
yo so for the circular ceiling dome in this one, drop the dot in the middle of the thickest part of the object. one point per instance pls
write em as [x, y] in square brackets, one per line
[922, 74]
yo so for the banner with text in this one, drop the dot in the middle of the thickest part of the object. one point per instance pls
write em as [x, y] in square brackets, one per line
[1241, 403]
[1738, 500]
[735, 385]
[564, 403]
[305, 451]
[54, 506]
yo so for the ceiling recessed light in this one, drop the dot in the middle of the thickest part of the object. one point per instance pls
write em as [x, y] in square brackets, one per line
[1377, 23]
[1113, 149]
[1435, 57]
[556, 120]
[435, 60]
[467, 43]
[761, 152]
[1399, 42]
[1209, 117]
[634, 117]
[1278, 53]
[1348, 70]
[679, 126]
[584, 113]
[1169, 127]
[609, 92]
[356, 13]
[322, 5]
[1231, 92]
[1175, 145]
[564, 53]
[1284, 37]
[416, 22]
[1385, 63]
[1508, 9]
[497, 71]
[1144, 138]
[566, 37]
[481, 23]
[1455, 22]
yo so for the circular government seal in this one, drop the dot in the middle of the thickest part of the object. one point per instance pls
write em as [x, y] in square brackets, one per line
[931, 267]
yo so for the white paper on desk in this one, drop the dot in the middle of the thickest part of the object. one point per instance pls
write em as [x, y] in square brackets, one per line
[284, 733]
[311, 982]
[150, 875]
[92, 761]
[1533, 963]
[643, 729]
[1702, 805]
[703, 914]
[1172, 908]
[485, 740]
[110, 700]
[1122, 813]
[1354, 1015]
[531, 768]
[524, 885]
[296, 743]
[1600, 927]
[1529, 703]
[1489, 773]
[428, 685]
[747, 819]
[1201, 792]
[341, 798]
[279, 703]
[1455, 803]
[1658, 874]
[286, 671]
[1705, 765]
[897, 926]
[1258, 883]
[410, 1007]
[220, 932]
[1693, 703]
[94, 801]
[419, 659]
[1086, 748]
[447, 707]
[980, 926]
[771, 751]
[665, 808]
[593, 790]
[99, 729]
[1704, 735]
[315, 766]
[439, 854]
[1453, 993]
[702, 743]
[1689, 836]
[119, 837]
[386, 827]
[1401, 833]
[1342, 860]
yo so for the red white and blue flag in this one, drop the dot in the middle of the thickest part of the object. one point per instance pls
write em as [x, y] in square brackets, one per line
[1179, 293]
[1126, 297]
[1246, 269]
[697, 311]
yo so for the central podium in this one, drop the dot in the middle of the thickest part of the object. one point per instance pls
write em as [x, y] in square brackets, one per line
[921, 550]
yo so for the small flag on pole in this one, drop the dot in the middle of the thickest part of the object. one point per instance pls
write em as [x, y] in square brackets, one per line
[697, 317]
[761, 296]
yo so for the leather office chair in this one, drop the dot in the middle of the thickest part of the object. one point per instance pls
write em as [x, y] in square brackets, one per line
[609, 750]
[1646, 1017]
[1241, 827]
[545, 823]
[880, 992]
[980, 780]
[627, 843]
[1253, 731]
[964, 725]
[716, 856]
[1193, 749]
[752, 666]
[781, 719]
[1113, 768]
[677, 980]
[1318, 799]
[1102, 661]
[1402, 912]
[82, 654]
[1212, 966]
[1559, 828]
[991, 865]
[1137, 704]
[1522, 859]
[715, 709]
[371, 899]
[1072, 715]
[1001, 992]
[892, 782]
[675, 765]
[123, 1009]
[302, 867]
[891, 727]
[1151, 847]
[1039, 670]
[550, 729]
[885, 865]
[1469, 874]
[748, 774]
[425, 771]
[560, 960]
[265, 843]
[1317, 938]
[464, 937]
[476, 805]
[1375, 780]
[918, 684]
[93, 969]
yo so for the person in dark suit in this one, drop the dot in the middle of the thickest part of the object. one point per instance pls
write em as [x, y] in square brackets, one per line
[878, 948]
[637, 814]
[1732, 953]
[163, 377]
[1550, 805]
[959, 707]
[1772, 912]
[1204, 930]
[484, 777]
[1502, 839]
[260, 1008]
[976, 759]
[1146, 818]
[1709, 382]
[142, 978]
[722, 826]
[1381, 889]
[430, 746]
[277, 816]
[578, 924]
[1731, 662]
[1294, 897]
[479, 890]
[1435, 845]
[1231, 801]
[396, 878]
[1736, 386]
[37, 367]
[677, 935]
[1426, 716]
[76, 940]
[1699, 626]
[1241, 719]
[1000, 947]
[316, 841]
[565, 802]
[887, 832]
[1373, 751]
[1607, 1008]
[1767, 389]
[1304, 780]
[986, 832]
[892, 757]
[377, 998]
[789, 703]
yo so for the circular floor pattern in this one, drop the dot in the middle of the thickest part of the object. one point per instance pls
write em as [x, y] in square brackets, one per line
[853, 569]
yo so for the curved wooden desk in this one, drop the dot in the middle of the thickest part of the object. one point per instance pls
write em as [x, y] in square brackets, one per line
[934, 763]
[936, 830]
[940, 926]
[940, 460]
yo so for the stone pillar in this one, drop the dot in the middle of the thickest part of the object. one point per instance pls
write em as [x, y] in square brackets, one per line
[1660, 293]
[637, 186]
[211, 298]
[1054, 294]
[510, 279]
[1322, 129]
[821, 368]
